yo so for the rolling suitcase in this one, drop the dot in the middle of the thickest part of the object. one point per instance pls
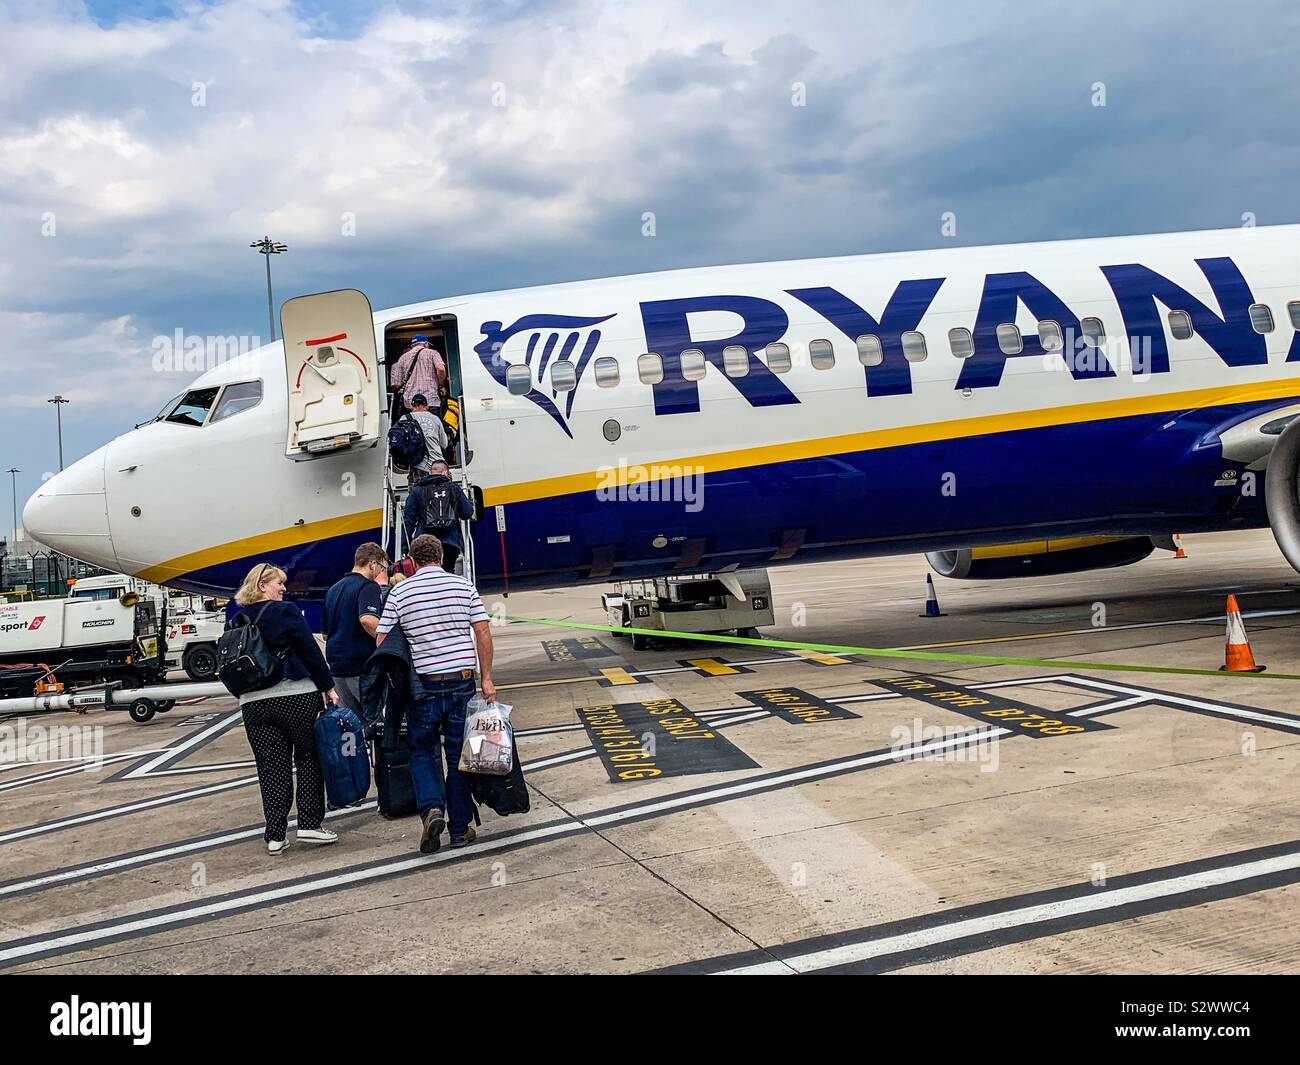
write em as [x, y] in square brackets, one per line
[393, 777]
[343, 760]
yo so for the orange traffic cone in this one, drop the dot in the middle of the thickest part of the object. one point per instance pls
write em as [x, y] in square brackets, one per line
[1178, 546]
[1237, 658]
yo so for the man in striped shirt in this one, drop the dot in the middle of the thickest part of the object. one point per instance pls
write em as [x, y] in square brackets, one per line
[445, 624]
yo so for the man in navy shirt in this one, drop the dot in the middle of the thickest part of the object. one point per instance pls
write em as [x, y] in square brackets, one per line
[352, 610]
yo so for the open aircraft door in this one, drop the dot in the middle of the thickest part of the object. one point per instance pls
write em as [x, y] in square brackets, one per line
[333, 373]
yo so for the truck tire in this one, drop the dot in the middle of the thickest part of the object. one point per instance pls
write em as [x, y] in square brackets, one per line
[200, 662]
[142, 710]
[640, 641]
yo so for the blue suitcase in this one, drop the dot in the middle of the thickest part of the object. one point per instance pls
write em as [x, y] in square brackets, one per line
[344, 760]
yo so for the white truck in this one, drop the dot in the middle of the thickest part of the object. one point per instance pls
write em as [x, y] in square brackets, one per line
[51, 642]
[193, 625]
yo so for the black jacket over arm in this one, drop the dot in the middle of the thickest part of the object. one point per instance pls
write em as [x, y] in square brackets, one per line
[389, 684]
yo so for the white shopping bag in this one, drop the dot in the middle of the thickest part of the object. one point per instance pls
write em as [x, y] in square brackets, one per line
[489, 739]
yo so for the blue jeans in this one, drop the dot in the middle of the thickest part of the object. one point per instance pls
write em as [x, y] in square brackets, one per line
[440, 713]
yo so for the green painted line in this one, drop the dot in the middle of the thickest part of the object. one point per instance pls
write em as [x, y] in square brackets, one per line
[924, 656]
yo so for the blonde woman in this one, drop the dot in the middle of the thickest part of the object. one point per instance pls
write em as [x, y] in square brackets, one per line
[279, 719]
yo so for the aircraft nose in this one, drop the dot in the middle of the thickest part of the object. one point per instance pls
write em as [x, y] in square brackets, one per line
[69, 513]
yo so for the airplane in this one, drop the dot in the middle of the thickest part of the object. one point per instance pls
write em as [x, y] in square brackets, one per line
[1028, 408]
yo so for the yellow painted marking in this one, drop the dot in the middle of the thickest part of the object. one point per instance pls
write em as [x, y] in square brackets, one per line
[824, 659]
[991, 639]
[617, 675]
[712, 667]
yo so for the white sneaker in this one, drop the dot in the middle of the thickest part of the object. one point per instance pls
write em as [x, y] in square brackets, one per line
[317, 835]
[277, 846]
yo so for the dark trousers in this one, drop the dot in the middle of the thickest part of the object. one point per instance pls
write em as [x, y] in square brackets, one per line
[280, 733]
[450, 552]
[439, 714]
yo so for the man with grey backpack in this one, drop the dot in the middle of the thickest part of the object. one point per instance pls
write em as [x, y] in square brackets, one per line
[436, 505]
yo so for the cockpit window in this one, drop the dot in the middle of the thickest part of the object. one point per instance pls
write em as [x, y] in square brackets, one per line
[167, 408]
[194, 406]
[237, 398]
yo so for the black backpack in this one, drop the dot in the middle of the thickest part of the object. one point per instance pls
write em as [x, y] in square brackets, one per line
[439, 505]
[244, 661]
[501, 794]
[406, 443]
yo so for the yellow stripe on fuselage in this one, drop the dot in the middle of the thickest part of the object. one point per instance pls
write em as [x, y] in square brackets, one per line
[872, 440]
[877, 439]
[263, 543]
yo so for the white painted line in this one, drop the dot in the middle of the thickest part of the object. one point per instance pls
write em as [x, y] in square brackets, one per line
[88, 767]
[149, 923]
[156, 922]
[1241, 713]
[118, 756]
[170, 754]
[111, 865]
[129, 808]
[727, 791]
[1104, 899]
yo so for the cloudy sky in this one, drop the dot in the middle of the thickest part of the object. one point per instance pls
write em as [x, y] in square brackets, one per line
[416, 150]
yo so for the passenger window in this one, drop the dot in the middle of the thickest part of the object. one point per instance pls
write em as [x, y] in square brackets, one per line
[194, 406]
[778, 356]
[650, 368]
[563, 376]
[1293, 309]
[914, 346]
[237, 398]
[606, 371]
[1094, 331]
[822, 354]
[870, 351]
[735, 360]
[1049, 335]
[519, 379]
[1009, 341]
[961, 342]
[693, 364]
[1180, 324]
[1261, 318]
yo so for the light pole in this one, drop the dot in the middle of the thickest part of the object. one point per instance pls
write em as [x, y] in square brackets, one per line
[13, 472]
[268, 247]
[58, 402]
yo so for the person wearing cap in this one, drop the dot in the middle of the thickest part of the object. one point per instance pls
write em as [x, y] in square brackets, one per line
[420, 371]
[435, 434]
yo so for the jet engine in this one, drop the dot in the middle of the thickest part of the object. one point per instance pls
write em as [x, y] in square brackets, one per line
[1037, 558]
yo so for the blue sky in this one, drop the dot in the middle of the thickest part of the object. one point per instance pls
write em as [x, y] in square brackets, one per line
[494, 144]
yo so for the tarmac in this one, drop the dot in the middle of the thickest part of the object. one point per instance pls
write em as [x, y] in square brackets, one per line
[805, 813]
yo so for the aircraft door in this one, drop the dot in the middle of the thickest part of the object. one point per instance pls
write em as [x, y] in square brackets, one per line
[332, 370]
